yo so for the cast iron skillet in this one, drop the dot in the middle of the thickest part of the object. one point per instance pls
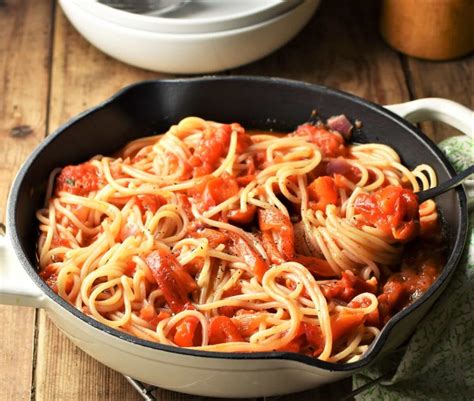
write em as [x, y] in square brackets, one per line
[150, 107]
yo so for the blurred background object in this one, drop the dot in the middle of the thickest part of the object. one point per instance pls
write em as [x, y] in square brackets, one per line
[196, 37]
[429, 29]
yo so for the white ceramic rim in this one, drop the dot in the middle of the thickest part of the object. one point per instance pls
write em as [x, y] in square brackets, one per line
[157, 24]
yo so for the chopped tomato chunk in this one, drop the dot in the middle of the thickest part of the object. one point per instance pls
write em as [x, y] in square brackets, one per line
[392, 209]
[186, 332]
[150, 202]
[331, 144]
[175, 282]
[223, 330]
[216, 190]
[214, 145]
[237, 217]
[322, 191]
[149, 314]
[348, 287]
[78, 180]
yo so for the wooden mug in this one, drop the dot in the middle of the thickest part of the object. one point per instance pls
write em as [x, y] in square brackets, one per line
[429, 29]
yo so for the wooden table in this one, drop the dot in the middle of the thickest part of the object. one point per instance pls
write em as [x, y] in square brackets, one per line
[49, 73]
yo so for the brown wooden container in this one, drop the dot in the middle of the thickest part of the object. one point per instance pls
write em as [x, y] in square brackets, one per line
[429, 29]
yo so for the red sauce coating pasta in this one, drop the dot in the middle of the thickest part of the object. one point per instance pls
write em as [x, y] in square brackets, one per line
[213, 237]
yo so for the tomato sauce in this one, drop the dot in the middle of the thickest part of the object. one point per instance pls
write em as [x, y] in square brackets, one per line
[421, 265]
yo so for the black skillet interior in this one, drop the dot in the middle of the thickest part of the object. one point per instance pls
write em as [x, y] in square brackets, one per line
[151, 107]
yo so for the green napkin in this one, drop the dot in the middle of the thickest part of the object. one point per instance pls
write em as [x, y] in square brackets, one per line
[438, 363]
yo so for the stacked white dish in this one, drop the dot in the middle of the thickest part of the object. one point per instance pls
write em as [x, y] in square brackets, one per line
[202, 36]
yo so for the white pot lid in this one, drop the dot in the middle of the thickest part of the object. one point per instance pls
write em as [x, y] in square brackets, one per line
[195, 16]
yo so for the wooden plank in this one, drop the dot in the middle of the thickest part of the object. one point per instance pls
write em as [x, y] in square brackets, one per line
[64, 372]
[25, 35]
[340, 48]
[452, 80]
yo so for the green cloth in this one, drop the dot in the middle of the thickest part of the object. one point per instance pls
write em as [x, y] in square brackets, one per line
[438, 363]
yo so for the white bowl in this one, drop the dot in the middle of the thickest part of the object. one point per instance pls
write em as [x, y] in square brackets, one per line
[189, 53]
[198, 16]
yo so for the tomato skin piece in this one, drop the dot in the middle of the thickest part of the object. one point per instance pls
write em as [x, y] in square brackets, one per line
[323, 192]
[274, 222]
[186, 331]
[392, 209]
[331, 144]
[251, 257]
[223, 330]
[172, 278]
[78, 180]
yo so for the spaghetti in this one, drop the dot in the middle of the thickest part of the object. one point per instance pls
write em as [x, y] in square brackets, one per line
[211, 238]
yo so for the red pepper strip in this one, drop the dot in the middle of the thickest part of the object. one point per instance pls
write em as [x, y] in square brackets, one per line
[251, 257]
[175, 282]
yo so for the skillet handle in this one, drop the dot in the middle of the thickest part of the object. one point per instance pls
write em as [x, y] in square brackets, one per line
[449, 112]
[16, 287]
[436, 109]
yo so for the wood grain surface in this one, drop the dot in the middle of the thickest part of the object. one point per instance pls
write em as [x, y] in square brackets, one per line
[25, 40]
[50, 73]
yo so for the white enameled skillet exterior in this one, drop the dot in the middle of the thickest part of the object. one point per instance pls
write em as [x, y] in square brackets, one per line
[201, 373]
[188, 53]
